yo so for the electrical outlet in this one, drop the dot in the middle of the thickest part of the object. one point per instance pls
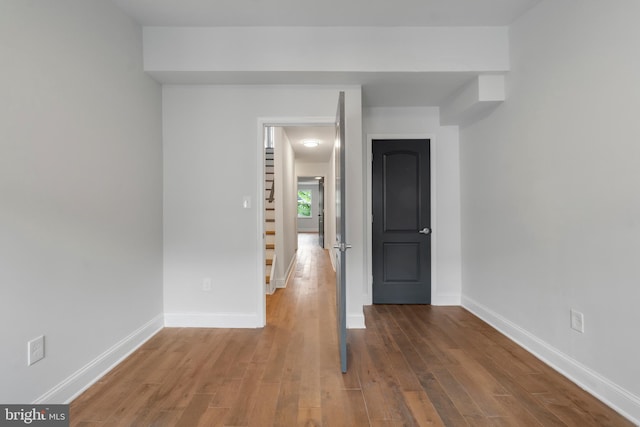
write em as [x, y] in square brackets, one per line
[35, 350]
[577, 321]
[206, 284]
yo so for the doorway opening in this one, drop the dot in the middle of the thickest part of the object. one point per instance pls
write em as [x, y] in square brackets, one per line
[297, 159]
[287, 163]
[310, 207]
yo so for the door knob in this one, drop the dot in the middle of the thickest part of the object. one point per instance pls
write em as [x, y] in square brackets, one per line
[425, 231]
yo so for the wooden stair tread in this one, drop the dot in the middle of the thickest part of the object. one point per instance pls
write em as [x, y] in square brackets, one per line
[269, 171]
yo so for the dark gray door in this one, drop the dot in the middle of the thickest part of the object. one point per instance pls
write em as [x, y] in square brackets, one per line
[341, 245]
[401, 240]
[321, 212]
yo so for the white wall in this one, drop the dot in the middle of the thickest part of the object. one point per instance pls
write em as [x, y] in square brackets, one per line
[203, 55]
[310, 225]
[411, 123]
[212, 137]
[80, 195]
[286, 212]
[550, 185]
[177, 50]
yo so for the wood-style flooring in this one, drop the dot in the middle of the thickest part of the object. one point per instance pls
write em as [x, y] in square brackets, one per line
[412, 366]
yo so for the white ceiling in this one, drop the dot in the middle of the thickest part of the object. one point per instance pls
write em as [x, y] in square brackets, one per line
[325, 13]
[378, 89]
[321, 153]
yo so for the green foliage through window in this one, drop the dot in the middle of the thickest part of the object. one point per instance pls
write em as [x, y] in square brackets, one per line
[304, 203]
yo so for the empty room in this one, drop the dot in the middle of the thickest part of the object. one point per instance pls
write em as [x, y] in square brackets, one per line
[469, 258]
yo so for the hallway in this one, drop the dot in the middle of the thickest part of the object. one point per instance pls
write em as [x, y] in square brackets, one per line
[413, 365]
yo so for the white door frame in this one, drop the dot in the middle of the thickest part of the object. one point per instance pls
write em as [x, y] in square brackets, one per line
[261, 308]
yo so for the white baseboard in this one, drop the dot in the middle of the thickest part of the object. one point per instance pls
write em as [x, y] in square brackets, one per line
[355, 321]
[211, 320]
[453, 299]
[621, 400]
[85, 377]
[282, 283]
[270, 287]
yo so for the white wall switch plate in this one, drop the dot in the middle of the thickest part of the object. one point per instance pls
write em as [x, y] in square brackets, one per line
[577, 321]
[35, 350]
[206, 284]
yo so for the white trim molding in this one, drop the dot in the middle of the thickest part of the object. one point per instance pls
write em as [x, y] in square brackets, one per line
[212, 320]
[282, 283]
[261, 308]
[621, 400]
[452, 299]
[271, 286]
[88, 375]
[355, 321]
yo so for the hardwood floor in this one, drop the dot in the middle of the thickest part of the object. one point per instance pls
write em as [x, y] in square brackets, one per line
[412, 366]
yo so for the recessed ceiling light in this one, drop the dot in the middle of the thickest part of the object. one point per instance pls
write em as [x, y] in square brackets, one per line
[310, 143]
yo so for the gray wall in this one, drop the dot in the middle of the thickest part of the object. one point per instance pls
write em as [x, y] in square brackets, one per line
[550, 194]
[207, 232]
[424, 123]
[80, 194]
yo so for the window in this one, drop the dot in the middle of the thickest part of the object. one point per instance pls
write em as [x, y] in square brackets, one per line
[304, 203]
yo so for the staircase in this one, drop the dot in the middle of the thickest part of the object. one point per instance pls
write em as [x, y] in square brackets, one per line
[270, 218]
